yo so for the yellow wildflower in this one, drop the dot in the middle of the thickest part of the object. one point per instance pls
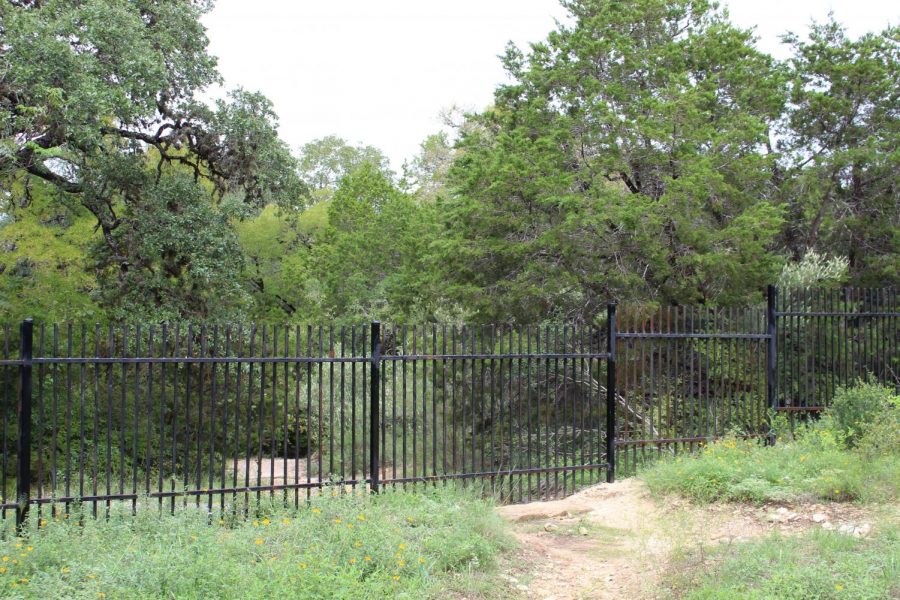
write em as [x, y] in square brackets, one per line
[396, 578]
[352, 561]
[2, 569]
[29, 548]
[401, 563]
[337, 521]
[421, 561]
[5, 559]
[259, 541]
[266, 522]
[367, 558]
[256, 523]
[302, 565]
[317, 510]
[361, 517]
[402, 546]
[285, 521]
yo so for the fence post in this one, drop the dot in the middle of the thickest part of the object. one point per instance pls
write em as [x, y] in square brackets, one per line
[611, 393]
[374, 405]
[23, 416]
[771, 354]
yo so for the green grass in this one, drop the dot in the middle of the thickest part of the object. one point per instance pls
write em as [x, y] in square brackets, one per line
[408, 545]
[816, 565]
[814, 466]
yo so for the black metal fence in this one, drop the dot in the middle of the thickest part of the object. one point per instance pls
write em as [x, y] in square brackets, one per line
[687, 375]
[828, 338]
[220, 417]
[690, 374]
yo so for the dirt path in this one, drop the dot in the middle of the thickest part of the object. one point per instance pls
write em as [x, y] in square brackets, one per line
[615, 541]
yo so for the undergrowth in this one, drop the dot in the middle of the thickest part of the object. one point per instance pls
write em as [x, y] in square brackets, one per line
[395, 544]
[850, 453]
[817, 564]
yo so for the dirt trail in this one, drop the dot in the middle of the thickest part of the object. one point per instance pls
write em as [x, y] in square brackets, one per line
[614, 540]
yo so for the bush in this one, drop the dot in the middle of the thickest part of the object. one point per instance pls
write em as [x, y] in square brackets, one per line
[854, 409]
[882, 437]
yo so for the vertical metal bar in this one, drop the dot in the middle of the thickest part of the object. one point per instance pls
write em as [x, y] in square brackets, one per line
[415, 402]
[4, 458]
[398, 348]
[273, 444]
[528, 412]
[226, 401]
[96, 436]
[55, 445]
[214, 388]
[40, 419]
[771, 353]
[434, 429]
[236, 447]
[481, 399]
[453, 419]
[148, 463]
[162, 417]
[611, 393]
[404, 400]
[353, 473]
[342, 336]
[23, 424]
[521, 408]
[175, 347]
[444, 401]
[374, 399]
[135, 404]
[296, 421]
[424, 402]
[309, 337]
[556, 409]
[383, 415]
[491, 367]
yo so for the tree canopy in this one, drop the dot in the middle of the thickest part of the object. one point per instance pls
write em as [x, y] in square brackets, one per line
[644, 150]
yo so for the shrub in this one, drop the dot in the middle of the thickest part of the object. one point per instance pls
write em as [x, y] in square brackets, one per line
[856, 408]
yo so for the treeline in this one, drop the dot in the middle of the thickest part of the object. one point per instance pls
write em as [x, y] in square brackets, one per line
[644, 151]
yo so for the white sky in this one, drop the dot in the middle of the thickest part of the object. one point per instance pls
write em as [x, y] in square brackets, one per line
[380, 71]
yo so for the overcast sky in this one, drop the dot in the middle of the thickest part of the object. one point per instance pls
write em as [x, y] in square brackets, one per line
[380, 71]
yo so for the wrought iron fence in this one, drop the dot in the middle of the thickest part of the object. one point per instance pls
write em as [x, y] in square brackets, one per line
[828, 338]
[687, 375]
[223, 417]
[220, 417]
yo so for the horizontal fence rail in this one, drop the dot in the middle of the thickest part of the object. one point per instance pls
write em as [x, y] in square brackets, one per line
[223, 417]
